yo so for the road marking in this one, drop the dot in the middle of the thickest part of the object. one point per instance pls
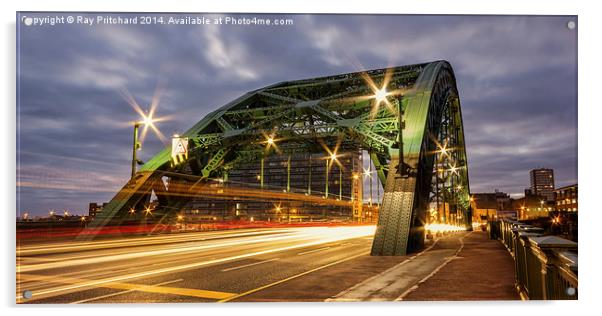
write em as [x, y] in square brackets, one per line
[249, 265]
[129, 286]
[290, 278]
[415, 287]
[337, 298]
[100, 282]
[122, 292]
[312, 251]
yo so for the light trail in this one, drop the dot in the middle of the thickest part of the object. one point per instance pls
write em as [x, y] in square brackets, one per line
[124, 256]
[306, 237]
[163, 239]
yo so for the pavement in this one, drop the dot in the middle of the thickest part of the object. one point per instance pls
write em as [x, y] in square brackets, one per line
[262, 265]
[460, 266]
[482, 270]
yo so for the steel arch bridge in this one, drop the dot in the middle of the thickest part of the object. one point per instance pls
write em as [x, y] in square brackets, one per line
[408, 119]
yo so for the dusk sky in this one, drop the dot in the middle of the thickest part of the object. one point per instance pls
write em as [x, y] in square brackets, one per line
[516, 75]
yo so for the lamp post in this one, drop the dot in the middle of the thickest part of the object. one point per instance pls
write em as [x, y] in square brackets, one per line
[136, 146]
[326, 175]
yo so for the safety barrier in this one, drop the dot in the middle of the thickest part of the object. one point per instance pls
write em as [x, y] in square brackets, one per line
[546, 266]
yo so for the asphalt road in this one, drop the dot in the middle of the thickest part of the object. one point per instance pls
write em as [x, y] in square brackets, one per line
[187, 267]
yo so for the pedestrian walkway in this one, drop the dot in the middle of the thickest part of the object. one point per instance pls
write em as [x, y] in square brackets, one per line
[482, 270]
[461, 266]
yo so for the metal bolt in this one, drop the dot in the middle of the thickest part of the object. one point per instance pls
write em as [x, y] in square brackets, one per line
[570, 291]
[27, 294]
[571, 25]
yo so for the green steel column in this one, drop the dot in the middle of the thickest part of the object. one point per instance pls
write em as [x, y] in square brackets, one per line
[378, 192]
[261, 175]
[288, 174]
[135, 148]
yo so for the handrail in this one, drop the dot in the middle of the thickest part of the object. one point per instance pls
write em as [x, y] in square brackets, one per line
[546, 266]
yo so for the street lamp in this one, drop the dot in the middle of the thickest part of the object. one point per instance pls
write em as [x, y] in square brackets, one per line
[147, 121]
[137, 146]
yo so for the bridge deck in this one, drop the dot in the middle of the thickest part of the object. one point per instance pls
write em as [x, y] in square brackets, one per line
[484, 270]
[464, 266]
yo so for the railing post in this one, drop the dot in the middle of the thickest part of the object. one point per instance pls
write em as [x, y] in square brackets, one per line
[529, 282]
[547, 250]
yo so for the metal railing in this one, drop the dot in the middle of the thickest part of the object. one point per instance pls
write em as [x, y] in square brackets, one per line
[546, 266]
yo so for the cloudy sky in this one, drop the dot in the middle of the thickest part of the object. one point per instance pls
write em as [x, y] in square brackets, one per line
[517, 78]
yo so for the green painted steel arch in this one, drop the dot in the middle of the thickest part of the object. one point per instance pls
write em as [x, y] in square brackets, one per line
[402, 216]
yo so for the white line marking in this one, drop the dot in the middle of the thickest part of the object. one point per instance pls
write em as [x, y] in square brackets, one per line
[415, 287]
[124, 292]
[290, 278]
[311, 251]
[249, 265]
[336, 298]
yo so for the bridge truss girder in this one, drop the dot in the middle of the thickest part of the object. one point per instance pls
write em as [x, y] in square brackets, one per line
[307, 115]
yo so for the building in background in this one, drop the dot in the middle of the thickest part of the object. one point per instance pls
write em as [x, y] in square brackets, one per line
[532, 207]
[542, 183]
[488, 206]
[302, 173]
[566, 198]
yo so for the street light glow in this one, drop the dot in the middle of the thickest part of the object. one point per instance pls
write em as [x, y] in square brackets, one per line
[454, 169]
[147, 119]
[367, 173]
[380, 95]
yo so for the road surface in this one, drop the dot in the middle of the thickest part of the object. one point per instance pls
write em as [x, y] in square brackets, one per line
[187, 267]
